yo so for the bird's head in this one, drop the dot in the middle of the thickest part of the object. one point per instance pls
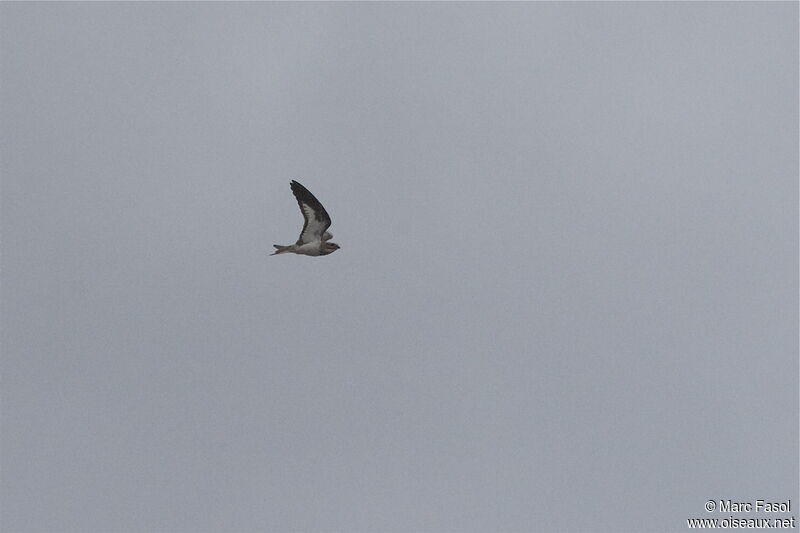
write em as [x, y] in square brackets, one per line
[329, 247]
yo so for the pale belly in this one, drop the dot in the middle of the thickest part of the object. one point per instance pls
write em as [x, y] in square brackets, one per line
[311, 248]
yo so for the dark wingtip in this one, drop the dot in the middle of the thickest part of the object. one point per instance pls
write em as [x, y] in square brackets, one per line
[299, 190]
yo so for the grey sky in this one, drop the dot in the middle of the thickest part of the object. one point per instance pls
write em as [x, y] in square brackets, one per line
[566, 298]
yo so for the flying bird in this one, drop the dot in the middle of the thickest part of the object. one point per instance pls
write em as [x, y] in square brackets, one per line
[314, 236]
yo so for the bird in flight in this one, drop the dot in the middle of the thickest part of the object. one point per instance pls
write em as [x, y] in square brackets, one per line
[314, 236]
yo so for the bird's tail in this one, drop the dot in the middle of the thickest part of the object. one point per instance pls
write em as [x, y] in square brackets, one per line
[280, 249]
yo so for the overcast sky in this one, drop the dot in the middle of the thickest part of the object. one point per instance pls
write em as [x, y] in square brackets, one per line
[566, 298]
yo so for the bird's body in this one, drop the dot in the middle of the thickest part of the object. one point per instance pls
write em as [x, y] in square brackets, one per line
[314, 236]
[309, 248]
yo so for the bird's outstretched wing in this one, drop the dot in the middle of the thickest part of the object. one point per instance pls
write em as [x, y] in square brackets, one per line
[316, 218]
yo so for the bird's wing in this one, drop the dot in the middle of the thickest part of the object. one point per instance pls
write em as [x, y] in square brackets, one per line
[316, 218]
